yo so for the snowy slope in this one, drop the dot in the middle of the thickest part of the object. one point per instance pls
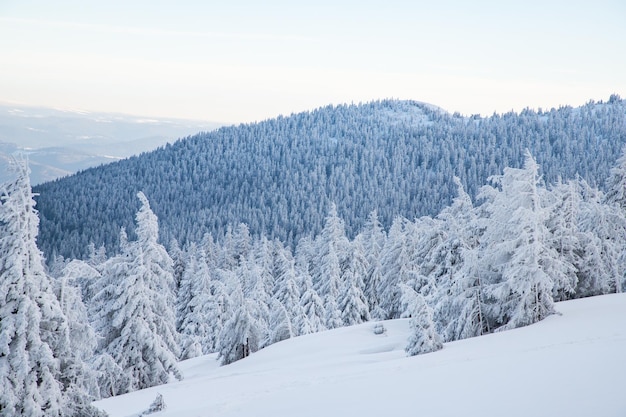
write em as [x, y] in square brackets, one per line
[571, 364]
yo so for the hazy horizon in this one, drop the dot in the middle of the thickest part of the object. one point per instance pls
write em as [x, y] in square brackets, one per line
[243, 61]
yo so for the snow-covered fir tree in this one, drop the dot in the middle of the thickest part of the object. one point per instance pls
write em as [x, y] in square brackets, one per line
[312, 306]
[352, 303]
[78, 373]
[516, 249]
[332, 252]
[196, 305]
[458, 295]
[564, 212]
[280, 323]
[372, 239]
[603, 236]
[394, 271]
[28, 367]
[287, 291]
[242, 333]
[134, 308]
[255, 292]
[424, 338]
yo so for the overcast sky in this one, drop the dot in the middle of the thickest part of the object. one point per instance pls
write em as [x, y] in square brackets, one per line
[242, 61]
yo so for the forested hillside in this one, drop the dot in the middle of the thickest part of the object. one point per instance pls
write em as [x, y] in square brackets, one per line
[123, 321]
[280, 176]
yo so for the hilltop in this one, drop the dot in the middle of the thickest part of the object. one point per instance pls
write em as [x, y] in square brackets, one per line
[281, 175]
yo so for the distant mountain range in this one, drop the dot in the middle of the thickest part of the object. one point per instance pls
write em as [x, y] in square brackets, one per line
[281, 175]
[59, 143]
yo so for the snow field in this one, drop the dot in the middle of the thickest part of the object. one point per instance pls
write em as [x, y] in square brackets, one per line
[570, 364]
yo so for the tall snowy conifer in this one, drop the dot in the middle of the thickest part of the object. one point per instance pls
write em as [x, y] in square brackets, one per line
[562, 222]
[313, 307]
[32, 326]
[135, 307]
[78, 372]
[242, 333]
[372, 239]
[352, 303]
[332, 252]
[394, 263]
[196, 307]
[458, 298]
[603, 228]
[287, 290]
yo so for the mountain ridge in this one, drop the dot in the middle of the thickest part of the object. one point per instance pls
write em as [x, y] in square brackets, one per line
[280, 176]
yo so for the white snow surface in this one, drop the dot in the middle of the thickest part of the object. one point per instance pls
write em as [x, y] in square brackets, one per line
[572, 364]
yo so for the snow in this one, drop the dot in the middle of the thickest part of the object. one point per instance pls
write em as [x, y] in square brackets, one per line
[571, 364]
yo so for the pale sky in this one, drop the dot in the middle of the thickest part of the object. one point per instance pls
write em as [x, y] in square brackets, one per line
[243, 61]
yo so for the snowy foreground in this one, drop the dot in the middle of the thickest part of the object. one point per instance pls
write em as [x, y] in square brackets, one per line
[572, 364]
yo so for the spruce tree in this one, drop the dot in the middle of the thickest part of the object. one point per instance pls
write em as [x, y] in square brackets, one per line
[196, 327]
[33, 329]
[135, 307]
[517, 251]
[372, 239]
[242, 333]
[423, 338]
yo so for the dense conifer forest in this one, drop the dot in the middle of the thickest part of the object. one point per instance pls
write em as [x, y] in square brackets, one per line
[280, 176]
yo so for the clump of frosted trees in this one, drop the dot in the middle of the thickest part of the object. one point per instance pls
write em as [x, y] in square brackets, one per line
[99, 327]
[475, 268]
[46, 343]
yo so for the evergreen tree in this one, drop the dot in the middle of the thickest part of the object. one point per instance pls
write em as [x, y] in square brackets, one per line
[185, 288]
[394, 262]
[457, 302]
[616, 183]
[280, 327]
[423, 337]
[253, 278]
[242, 243]
[353, 304]
[196, 328]
[328, 266]
[242, 333]
[516, 247]
[78, 375]
[562, 222]
[603, 229]
[135, 307]
[178, 261]
[287, 291]
[32, 326]
[112, 380]
[313, 307]
[372, 239]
